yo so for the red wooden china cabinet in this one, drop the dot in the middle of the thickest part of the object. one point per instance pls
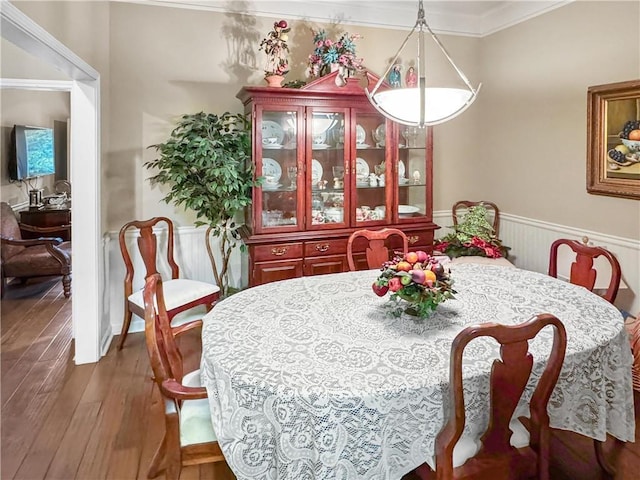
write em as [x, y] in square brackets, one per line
[332, 165]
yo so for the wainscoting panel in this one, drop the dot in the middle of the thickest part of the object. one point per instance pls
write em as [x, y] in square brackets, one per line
[530, 241]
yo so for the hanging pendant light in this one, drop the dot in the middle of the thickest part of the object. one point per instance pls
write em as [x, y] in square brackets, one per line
[422, 105]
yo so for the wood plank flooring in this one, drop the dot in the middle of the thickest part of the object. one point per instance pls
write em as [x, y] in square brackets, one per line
[104, 421]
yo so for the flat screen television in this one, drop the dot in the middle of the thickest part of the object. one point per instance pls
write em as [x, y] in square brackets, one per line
[32, 153]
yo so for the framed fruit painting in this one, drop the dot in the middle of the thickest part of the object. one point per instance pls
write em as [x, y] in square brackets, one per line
[613, 139]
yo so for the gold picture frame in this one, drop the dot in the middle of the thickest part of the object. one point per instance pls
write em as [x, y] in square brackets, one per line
[613, 162]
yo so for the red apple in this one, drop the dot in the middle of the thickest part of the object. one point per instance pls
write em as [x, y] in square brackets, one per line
[379, 290]
[422, 256]
[395, 284]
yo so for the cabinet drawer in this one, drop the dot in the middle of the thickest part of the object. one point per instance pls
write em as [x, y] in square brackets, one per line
[267, 272]
[419, 239]
[282, 251]
[325, 247]
[326, 264]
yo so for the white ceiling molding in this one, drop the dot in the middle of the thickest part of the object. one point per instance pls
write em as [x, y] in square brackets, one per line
[467, 18]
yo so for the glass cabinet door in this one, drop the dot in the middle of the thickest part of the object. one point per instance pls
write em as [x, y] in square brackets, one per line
[278, 151]
[412, 173]
[326, 147]
[371, 170]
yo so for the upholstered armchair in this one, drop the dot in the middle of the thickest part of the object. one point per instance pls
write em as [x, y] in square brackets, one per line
[41, 257]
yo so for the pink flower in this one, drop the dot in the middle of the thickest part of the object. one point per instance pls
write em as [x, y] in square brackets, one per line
[328, 43]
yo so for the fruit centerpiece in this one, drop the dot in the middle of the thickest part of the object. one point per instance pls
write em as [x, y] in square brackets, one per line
[416, 278]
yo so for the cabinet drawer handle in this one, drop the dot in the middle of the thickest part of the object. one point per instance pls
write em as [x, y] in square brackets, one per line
[322, 248]
[279, 251]
[413, 239]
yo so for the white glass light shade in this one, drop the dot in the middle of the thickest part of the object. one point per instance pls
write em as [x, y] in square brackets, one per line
[405, 105]
[440, 104]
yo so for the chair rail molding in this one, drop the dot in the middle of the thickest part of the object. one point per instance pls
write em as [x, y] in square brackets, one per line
[530, 240]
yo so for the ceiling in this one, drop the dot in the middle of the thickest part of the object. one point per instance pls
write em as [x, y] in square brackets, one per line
[470, 18]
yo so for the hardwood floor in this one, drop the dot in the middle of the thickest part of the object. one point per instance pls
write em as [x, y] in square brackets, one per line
[103, 421]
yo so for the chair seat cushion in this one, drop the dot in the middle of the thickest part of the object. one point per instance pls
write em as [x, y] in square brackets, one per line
[467, 447]
[195, 416]
[37, 260]
[178, 292]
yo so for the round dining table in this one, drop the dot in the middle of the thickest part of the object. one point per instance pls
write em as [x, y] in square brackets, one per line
[315, 378]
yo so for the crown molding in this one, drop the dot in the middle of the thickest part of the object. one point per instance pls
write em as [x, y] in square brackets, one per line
[474, 19]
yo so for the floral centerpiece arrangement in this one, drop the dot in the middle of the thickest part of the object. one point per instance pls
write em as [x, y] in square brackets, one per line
[473, 236]
[277, 50]
[417, 278]
[329, 52]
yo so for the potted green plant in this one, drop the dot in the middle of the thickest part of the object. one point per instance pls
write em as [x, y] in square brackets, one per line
[206, 162]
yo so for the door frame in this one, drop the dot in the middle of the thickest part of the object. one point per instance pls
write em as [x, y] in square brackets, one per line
[84, 153]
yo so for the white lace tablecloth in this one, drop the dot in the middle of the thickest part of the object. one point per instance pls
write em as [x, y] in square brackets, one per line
[311, 378]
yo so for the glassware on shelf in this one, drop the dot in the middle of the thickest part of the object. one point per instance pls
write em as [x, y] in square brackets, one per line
[292, 173]
[337, 135]
[410, 134]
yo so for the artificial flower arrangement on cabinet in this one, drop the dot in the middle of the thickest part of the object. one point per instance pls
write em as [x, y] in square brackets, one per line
[473, 236]
[277, 51]
[329, 55]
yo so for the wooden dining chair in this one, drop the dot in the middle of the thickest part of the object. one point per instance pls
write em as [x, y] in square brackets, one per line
[492, 210]
[582, 272]
[181, 294]
[189, 438]
[507, 449]
[377, 251]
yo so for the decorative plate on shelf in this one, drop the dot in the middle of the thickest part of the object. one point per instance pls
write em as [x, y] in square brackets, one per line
[406, 209]
[401, 169]
[271, 187]
[319, 138]
[362, 167]
[380, 134]
[272, 129]
[316, 171]
[361, 135]
[272, 168]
